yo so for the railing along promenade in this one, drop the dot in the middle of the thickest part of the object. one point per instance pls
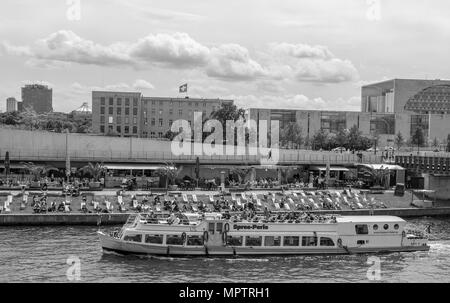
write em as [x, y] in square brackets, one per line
[425, 162]
[286, 157]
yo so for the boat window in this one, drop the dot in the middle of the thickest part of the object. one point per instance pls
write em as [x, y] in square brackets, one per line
[174, 240]
[211, 227]
[375, 227]
[386, 226]
[291, 241]
[133, 238]
[360, 242]
[195, 240]
[219, 227]
[326, 241]
[396, 226]
[234, 240]
[362, 229]
[309, 241]
[155, 239]
[272, 241]
[253, 241]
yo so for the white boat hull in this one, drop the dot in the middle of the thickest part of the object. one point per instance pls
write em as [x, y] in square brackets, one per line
[109, 243]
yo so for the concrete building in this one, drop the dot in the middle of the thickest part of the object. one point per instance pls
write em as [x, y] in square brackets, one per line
[411, 104]
[387, 108]
[38, 97]
[132, 115]
[11, 105]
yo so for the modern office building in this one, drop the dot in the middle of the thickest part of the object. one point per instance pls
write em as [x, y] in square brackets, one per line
[37, 97]
[11, 105]
[129, 114]
[387, 108]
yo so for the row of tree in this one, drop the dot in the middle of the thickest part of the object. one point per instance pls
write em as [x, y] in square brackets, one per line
[54, 122]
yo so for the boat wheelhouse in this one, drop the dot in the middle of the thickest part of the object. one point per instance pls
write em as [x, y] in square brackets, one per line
[211, 234]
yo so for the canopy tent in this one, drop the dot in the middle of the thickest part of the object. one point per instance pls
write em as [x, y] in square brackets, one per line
[134, 167]
[323, 168]
[382, 166]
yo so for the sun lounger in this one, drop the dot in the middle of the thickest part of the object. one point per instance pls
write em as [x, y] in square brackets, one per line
[95, 204]
[291, 201]
[9, 200]
[194, 198]
[238, 202]
[338, 194]
[233, 196]
[287, 206]
[346, 201]
[360, 205]
[120, 200]
[66, 208]
[258, 202]
[135, 203]
[211, 198]
[277, 206]
[25, 198]
[329, 200]
[295, 195]
[185, 198]
[194, 207]
[158, 207]
[108, 206]
[6, 207]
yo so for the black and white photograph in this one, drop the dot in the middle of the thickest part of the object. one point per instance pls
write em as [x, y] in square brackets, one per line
[241, 144]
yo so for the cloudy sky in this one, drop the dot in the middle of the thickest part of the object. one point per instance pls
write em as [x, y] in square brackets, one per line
[309, 54]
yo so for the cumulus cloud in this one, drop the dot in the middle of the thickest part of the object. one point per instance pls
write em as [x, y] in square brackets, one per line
[308, 63]
[229, 62]
[232, 61]
[142, 84]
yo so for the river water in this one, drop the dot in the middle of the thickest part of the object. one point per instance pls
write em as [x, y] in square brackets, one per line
[40, 254]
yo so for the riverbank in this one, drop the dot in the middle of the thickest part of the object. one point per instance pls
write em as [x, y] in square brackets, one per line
[102, 219]
[21, 214]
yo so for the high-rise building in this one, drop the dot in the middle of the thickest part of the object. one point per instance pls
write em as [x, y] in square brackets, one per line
[11, 105]
[130, 114]
[38, 97]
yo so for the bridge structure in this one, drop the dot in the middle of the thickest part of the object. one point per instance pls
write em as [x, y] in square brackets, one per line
[56, 148]
[425, 163]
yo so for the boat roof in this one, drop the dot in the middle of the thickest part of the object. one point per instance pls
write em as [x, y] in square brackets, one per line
[368, 219]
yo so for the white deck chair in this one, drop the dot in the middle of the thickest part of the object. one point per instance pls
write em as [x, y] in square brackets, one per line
[120, 200]
[244, 197]
[66, 209]
[287, 206]
[360, 206]
[295, 195]
[238, 202]
[25, 198]
[9, 200]
[135, 203]
[211, 198]
[95, 204]
[158, 207]
[233, 196]
[346, 201]
[258, 202]
[277, 206]
[185, 198]
[67, 201]
[291, 201]
[313, 193]
[194, 207]
[329, 200]
[255, 196]
[303, 194]
[82, 205]
[108, 205]
[194, 198]
[338, 194]
[302, 201]
[6, 207]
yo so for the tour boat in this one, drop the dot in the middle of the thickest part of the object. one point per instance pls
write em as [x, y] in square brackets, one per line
[211, 234]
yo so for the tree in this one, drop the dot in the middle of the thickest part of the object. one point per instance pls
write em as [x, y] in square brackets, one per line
[342, 137]
[435, 143]
[228, 112]
[418, 137]
[319, 140]
[170, 172]
[378, 175]
[291, 134]
[241, 173]
[399, 140]
[38, 171]
[94, 170]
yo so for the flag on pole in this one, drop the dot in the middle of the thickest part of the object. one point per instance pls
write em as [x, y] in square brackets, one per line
[183, 88]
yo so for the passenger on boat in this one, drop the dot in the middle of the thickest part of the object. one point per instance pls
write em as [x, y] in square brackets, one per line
[61, 206]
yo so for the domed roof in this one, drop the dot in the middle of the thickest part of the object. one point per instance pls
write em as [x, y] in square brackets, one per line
[84, 109]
